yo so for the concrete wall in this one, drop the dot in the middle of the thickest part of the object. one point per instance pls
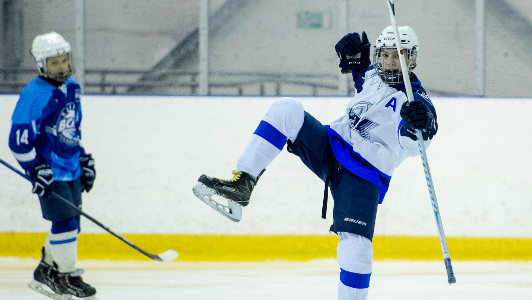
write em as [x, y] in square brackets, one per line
[119, 34]
[150, 151]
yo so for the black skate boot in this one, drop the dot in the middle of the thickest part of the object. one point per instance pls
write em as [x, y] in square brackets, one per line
[45, 275]
[237, 191]
[72, 284]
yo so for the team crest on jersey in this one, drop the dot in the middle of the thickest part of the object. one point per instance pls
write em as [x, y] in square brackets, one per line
[65, 127]
[364, 125]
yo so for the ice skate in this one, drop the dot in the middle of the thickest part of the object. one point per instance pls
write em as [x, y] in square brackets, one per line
[236, 192]
[61, 286]
[45, 280]
[73, 284]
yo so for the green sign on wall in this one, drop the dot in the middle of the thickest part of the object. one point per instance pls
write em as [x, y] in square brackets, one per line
[313, 19]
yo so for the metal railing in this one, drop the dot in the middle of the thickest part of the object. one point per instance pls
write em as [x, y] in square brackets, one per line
[146, 82]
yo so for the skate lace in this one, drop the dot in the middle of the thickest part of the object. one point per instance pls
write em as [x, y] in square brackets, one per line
[235, 177]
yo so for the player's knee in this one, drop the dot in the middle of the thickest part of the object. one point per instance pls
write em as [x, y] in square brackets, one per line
[355, 253]
[286, 113]
[355, 257]
[288, 105]
[65, 225]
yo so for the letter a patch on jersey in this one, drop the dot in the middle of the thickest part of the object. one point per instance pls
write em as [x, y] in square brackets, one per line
[392, 103]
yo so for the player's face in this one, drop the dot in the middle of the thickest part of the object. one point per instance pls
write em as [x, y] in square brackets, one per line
[389, 59]
[57, 65]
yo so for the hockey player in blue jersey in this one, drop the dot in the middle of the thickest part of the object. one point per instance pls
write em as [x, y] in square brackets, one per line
[45, 138]
[355, 155]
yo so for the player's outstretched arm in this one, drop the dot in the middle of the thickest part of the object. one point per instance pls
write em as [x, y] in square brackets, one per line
[353, 51]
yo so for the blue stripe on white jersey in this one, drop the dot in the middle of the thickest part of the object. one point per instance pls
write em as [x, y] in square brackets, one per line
[355, 163]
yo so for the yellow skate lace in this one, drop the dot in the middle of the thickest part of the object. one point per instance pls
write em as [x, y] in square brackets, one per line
[235, 177]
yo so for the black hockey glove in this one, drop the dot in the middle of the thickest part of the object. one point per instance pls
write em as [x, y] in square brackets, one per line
[417, 115]
[88, 173]
[353, 52]
[43, 180]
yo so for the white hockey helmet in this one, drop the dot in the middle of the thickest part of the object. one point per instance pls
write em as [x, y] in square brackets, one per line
[49, 45]
[386, 40]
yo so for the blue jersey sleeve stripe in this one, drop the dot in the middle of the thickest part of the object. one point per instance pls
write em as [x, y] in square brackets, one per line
[271, 134]
[355, 280]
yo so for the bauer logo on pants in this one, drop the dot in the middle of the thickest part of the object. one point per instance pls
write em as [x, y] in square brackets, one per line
[355, 221]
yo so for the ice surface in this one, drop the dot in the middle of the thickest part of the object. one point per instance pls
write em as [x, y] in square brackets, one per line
[309, 280]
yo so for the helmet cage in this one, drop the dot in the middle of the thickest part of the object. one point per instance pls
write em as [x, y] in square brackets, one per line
[43, 71]
[383, 65]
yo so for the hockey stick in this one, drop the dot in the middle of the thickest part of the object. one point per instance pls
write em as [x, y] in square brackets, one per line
[165, 256]
[422, 150]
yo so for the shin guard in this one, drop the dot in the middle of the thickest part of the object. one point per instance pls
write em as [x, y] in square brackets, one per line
[355, 257]
[63, 243]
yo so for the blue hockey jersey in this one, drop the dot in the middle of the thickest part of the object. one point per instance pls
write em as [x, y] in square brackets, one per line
[46, 128]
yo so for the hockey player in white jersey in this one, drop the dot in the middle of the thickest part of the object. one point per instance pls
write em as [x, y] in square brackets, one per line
[355, 155]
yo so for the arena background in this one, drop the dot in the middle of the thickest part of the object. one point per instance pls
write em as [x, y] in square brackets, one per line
[265, 47]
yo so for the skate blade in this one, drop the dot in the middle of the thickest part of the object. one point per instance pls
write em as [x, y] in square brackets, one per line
[232, 211]
[38, 287]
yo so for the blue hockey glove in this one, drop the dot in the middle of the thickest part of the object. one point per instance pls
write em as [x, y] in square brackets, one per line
[88, 172]
[43, 180]
[353, 52]
[417, 115]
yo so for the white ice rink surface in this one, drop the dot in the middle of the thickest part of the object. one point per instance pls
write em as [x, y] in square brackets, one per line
[280, 280]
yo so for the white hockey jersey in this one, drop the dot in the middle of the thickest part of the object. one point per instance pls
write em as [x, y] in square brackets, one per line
[369, 139]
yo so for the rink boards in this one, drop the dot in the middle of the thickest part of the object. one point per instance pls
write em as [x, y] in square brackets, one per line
[271, 247]
[149, 152]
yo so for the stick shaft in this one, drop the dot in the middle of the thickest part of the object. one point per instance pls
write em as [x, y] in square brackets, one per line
[422, 149]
